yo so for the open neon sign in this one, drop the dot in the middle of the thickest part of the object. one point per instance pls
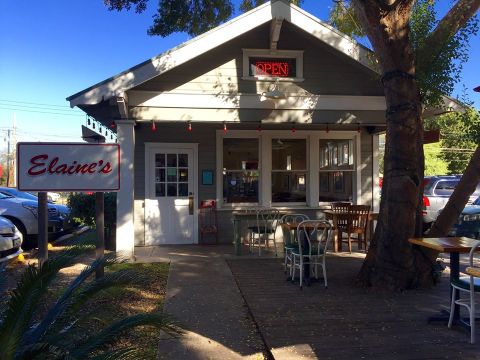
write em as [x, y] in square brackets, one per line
[272, 67]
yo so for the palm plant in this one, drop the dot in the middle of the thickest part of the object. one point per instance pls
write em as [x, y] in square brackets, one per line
[21, 339]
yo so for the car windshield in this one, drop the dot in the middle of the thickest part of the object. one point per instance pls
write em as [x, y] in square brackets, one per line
[19, 194]
[477, 201]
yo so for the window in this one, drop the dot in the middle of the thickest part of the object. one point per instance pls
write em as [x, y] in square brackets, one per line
[260, 64]
[337, 170]
[240, 170]
[171, 175]
[289, 170]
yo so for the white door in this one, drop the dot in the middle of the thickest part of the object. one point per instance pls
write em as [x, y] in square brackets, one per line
[170, 216]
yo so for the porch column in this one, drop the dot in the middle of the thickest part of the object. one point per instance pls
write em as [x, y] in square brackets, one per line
[125, 230]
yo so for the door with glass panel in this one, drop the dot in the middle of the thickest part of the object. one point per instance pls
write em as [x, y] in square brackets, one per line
[169, 195]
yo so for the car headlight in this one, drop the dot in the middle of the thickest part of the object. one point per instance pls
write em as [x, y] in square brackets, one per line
[33, 209]
[472, 217]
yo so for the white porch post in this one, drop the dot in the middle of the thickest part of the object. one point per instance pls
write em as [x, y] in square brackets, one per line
[125, 229]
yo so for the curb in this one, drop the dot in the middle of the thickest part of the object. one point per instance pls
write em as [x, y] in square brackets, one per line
[70, 235]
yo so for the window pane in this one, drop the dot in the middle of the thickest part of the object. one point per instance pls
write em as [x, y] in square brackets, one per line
[183, 189]
[240, 154]
[171, 174]
[159, 160]
[336, 154]
[336, 185]
[172, 160]
[289, 154]
[182, 174]
[160, 189]
[289, 186]
[159, 175]
[240, 187]
[183, 160]
[171, 189]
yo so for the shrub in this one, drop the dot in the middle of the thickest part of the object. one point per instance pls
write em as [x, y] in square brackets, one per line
[82, 207]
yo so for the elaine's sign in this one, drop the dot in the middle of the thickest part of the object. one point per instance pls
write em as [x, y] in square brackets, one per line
[68, 167]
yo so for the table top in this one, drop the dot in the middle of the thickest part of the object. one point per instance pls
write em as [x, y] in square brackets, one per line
[331, 213]
[446, 244]
[474, 271]
[294, 226]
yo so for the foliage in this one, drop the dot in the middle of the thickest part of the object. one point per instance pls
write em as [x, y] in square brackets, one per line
[434, 164]
[82, 207]
[193, 17]
[459, 138]
[20, 338]
[441, 75]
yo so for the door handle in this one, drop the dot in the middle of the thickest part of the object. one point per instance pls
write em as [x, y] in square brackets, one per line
[190, 204]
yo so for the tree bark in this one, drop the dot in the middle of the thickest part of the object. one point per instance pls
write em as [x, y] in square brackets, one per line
[391, 261]
[459, 198]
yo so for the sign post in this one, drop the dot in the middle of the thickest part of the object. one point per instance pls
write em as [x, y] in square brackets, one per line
[64, 167]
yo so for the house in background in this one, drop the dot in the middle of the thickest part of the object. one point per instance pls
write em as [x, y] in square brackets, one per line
[273, 108]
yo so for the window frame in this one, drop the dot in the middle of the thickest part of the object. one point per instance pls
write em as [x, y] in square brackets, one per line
[265, 137]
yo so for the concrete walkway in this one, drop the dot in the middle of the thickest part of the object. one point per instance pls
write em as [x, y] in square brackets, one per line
[203, 296]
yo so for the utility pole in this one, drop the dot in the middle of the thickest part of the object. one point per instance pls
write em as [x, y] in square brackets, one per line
[14, 157]
[8, 157]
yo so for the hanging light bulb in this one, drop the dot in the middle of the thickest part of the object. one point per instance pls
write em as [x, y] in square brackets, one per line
[358, 128]
[189, 126]
[154, 127]
[293, 128]
[113, 125]
[259, 128]
[327, 130]
[225, 127]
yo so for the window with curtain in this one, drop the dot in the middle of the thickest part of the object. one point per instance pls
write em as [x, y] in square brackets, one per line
[289, 170]
[337, 170]
[240, 170]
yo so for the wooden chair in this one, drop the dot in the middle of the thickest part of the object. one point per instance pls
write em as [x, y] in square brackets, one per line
[356, 223]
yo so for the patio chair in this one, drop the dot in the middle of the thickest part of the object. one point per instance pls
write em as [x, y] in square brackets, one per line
[289, 236]
[356, 223]
[313, 240]
[264, 229]
[468, 284]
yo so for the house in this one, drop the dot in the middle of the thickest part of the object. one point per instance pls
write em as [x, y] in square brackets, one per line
[272, 108]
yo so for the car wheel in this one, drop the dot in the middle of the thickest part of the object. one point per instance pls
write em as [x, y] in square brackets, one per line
[19, 225]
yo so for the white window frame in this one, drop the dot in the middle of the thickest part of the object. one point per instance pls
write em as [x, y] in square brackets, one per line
[265, 163]
[273, 54]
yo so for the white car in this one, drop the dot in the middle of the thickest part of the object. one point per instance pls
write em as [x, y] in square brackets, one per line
[53, 196]
[10, 241]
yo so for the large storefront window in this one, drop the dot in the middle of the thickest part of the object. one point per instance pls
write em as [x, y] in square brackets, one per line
[289, 170]
[336, 170]
[240, 170]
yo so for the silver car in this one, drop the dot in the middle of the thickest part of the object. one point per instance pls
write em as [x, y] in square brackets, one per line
[10, 241]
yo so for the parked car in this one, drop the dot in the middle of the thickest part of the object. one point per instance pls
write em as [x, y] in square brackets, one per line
[10, 241]
[60, 222]
[23, 213]
[468, 223]
[53, 196]
[436, 192]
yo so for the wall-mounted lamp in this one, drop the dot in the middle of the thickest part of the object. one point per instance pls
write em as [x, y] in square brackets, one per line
[275, 93]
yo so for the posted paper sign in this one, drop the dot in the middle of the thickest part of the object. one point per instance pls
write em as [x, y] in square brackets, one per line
[68, 167]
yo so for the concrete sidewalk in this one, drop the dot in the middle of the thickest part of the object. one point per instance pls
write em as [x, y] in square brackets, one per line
[203, 297]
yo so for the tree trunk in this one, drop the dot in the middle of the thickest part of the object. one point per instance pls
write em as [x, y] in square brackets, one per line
[459, 198]
[391, 261]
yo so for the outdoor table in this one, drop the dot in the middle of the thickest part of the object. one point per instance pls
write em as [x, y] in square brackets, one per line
[454, 246]
[334, 216]
[238, 217]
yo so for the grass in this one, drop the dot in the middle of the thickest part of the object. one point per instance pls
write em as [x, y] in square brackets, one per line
[146, 293]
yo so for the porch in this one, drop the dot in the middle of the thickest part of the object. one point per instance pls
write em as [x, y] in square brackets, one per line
[242, 307]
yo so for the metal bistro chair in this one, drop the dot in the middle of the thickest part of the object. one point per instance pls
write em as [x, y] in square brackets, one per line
[208, 219]
[313, 241]
[471, 285]
[289, 236]
[264, 228]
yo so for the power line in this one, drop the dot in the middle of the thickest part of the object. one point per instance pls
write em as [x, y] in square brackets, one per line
[40, 108]
[34, 103]
[41, 112]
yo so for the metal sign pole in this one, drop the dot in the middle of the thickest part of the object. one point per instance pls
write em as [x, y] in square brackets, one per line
[99, 220]
[42, 227]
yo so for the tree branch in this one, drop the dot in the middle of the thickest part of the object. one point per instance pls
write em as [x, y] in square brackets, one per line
[455, 19]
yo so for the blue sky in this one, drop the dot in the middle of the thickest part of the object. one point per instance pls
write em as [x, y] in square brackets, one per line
[50, 49]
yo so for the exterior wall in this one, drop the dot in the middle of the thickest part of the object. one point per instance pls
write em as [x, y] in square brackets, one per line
[205, 136]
